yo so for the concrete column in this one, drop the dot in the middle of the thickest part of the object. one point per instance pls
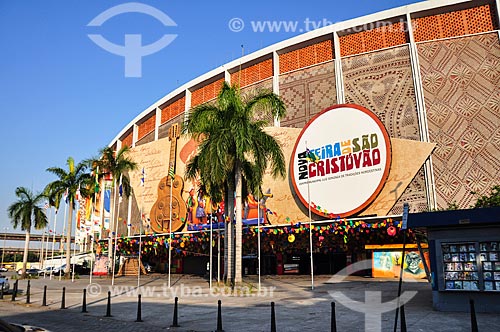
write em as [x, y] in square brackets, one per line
[421, 114]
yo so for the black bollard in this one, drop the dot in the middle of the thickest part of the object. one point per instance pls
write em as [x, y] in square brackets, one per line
[139, 312]
[219, 317]
[28, 288]
[1, 293]
[84, 304]
[403, 319]
[473, 320]
[44, 299]
[63, 299]
[108, 308]
[14, 290]
[333, 321]
[174, 321]
[273, 318]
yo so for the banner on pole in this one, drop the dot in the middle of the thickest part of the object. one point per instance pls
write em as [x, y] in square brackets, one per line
[406, 208]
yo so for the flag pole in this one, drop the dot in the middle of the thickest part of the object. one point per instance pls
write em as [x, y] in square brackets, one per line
[53, 244]
[211, 250]
[258, 235]
[115, 246]
[96, 189]
[92, 258]
[77, 212]
[62, 235]
[218, 251]
[116, 233]
[47, 239]
[310, 224]
[170, 231]
[41, 249]
[143, 180]
[74, 259]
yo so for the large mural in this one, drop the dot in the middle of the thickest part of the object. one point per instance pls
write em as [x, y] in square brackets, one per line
[280, 204]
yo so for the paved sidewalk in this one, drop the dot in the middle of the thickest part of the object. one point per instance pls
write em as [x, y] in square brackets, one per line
[298, 308]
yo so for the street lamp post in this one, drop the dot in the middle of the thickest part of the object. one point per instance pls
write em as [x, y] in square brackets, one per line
[5, 229]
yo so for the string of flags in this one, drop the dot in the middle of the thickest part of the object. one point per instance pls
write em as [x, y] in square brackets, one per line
[339, 231]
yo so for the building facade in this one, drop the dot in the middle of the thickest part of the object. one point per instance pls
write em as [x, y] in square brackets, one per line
[429, 71]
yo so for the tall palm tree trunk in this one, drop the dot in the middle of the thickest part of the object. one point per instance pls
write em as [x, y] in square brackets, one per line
[238, 277]
[229, 238]
[68, 238]
[25, 254]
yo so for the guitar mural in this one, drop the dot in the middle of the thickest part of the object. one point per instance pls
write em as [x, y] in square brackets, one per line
[169, 192]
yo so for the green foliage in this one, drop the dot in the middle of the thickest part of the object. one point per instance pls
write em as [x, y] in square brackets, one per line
[490, 200]
[27, 211]
[232, 140]
[71, 180]
[117, 164]
[451, 206]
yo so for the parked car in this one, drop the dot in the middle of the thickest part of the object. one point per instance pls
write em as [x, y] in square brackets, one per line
[54, 269]
[3, 269]
[29, 272]
[4, 281]
[11, 327]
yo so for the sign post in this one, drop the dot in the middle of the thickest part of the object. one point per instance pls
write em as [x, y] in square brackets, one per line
[404, 225]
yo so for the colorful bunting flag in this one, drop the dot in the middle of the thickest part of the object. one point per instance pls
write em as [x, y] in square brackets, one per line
[96, 185]
[120, 189]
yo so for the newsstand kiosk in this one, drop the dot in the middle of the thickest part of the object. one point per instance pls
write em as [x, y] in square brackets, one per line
[464, 248]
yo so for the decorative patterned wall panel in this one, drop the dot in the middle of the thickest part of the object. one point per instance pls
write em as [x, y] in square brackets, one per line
[461, 80]
[306, 92]
[382, 82]
[263, 85]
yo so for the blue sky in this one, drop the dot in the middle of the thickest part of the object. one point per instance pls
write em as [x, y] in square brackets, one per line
[62, 95]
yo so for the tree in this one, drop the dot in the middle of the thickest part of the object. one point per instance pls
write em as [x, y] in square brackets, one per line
[70, 183]
[26, 213]
[491, 200]
[234, 152]
[117, 164]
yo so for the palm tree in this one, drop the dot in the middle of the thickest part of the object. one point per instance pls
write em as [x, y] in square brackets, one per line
[117, 164]
[26, 212]
[234, 152]
[70, 182]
